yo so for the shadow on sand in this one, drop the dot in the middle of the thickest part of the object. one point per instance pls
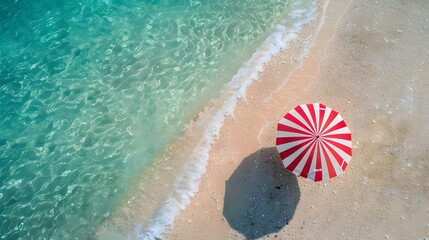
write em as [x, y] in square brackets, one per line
[260, 196]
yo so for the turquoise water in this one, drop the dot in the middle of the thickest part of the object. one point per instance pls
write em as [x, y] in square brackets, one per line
[91, 93]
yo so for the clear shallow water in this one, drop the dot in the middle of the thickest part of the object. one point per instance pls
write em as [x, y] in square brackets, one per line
[92, 92]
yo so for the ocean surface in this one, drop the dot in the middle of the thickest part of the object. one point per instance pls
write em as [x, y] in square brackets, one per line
[92, 92]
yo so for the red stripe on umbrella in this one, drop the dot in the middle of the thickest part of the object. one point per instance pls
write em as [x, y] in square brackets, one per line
[290, 129]
[331, 169]
[331, 117]
[282, 140]
[308, 163]
[340, 136]
[298, 122]
[314, 142]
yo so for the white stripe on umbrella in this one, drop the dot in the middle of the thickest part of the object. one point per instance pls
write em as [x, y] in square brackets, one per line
[314, 142]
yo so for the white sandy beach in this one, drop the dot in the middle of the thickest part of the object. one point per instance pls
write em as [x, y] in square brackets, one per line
[370, 62]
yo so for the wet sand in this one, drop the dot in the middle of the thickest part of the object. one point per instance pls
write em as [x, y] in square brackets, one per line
[370, 62]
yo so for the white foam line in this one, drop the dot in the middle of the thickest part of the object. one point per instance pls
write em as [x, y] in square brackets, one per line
[187, 183]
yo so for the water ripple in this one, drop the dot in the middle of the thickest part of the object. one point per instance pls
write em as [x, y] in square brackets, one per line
[92, 92]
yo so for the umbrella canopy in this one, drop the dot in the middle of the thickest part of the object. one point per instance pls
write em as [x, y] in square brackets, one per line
[314, 142]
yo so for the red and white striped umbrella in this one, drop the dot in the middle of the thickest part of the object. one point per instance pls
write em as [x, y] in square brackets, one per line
[314, 142]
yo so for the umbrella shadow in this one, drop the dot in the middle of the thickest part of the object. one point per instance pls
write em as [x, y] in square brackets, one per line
[260, 196]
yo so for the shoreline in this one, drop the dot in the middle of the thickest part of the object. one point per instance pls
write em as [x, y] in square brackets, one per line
[198, 137]
[354, 66]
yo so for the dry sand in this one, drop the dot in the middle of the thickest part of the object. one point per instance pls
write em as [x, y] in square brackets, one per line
[369, 61]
